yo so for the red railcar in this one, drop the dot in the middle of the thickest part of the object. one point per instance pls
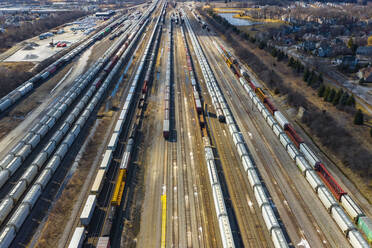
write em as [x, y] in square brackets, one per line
[115, 59]
[270, 106]
[328, 179]
[144, 88]
[97, 82]
[52, 69]
[252, 85]
[291, 132]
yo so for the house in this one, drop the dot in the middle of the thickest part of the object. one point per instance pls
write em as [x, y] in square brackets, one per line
[324, 51]
[349, 62]
[366, 74]
[364, 51]
[308, 45]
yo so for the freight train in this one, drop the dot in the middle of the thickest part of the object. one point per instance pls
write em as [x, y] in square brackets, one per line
[307, 161]
[24, 209]
[288, 128]
[127, 154]
[221, 210]
[167, 88]
[265, 205]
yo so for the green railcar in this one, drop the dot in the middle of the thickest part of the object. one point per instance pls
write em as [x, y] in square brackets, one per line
[365, 224]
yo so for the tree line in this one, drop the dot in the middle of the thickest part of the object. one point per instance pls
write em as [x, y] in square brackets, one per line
[312, 78]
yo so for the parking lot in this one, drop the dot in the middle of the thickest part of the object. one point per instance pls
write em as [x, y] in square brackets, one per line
[36, 50]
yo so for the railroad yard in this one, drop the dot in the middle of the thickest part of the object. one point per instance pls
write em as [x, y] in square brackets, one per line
[151, 133]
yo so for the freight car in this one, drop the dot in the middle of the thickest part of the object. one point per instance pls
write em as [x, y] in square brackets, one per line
[87, 213]
[77, 238]
[230, 60]
[24, 209]
[119, 188]
[167, 89]
[103, 242]
[267, 212]
[311, 170]
[221, 212]
[98, 182]
[329, 181]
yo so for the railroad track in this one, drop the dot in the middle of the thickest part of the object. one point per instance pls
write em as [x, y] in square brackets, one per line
[172, 158]
[271, 220]
[228, 88]
[209, 233]
[120, 150]
[238, 193]
[254, 236]
[181, 165]
[314, 170]
[223, 216]
[25, 207]
[192, 177]
[180, 87]
[278, 164]
[247, 111]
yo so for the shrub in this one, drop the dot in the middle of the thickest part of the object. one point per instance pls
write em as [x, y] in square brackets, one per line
[351, 101]
[326, 93]
[321, 90]
[306, 75]
[331, 95]
[337, 98]
[262, 45]
[291, 62]
[344, 98]
[359, 118]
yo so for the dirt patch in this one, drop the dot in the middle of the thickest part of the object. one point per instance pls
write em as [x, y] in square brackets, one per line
[12, 75]
[134, 205]
[98, 50]
[259, 28]
[17, 66]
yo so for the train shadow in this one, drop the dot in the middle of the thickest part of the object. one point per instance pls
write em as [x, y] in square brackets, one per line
[229, 207]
